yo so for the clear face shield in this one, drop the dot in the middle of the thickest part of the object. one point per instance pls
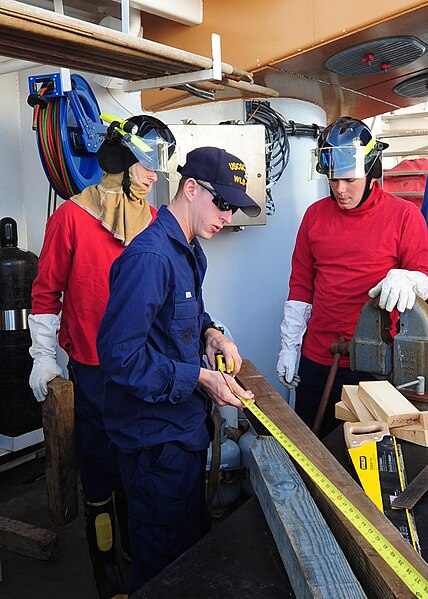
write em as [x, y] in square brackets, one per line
[343, 162]
[152, 152]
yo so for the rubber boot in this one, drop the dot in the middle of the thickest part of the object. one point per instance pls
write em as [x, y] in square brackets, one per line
[121, 504]
[100, 535]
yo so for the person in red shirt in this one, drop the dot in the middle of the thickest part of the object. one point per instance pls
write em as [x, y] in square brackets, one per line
[357, 243]
[83, 237]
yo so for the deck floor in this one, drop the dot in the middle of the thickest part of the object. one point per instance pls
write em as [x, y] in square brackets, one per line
[68, 574]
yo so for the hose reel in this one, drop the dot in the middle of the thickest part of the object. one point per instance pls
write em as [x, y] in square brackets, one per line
[68, 131]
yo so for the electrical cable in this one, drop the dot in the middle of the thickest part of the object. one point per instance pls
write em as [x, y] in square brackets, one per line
[117, 102]
[277, 144]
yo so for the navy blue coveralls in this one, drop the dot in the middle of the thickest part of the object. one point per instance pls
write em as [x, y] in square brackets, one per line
[97, 457]
[150, 348]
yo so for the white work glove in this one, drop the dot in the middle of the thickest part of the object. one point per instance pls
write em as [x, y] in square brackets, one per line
[43, 329]
[400, 288]
[293, 327]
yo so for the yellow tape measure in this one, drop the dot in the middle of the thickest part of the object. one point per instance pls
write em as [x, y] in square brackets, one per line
[411, 577]
[221, 363]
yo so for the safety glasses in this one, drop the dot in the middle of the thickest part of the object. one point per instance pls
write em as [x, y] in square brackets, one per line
[218, 200]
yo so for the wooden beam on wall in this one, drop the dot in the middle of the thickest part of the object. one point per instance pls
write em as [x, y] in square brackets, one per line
[377, 578]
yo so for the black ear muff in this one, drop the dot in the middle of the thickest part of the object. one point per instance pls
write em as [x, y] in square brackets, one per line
[114, 158]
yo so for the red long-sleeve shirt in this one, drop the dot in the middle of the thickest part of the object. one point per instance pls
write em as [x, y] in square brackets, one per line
[75, 261]
[341, 254]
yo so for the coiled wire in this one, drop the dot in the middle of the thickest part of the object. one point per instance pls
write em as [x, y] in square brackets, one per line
[277, 132]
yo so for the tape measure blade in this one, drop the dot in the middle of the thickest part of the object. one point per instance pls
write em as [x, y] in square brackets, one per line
[413, 579]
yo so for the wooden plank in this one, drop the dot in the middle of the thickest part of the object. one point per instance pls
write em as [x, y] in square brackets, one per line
[38, 22]
[315, 564]
[26, 539]
[61, 470]
[413, 492]
[63, 51]
[386, 403]
[377, 578]
[415, 434]
[345, 395]
[350, 398]
[342, 412]
[33, 33]
[422, 423]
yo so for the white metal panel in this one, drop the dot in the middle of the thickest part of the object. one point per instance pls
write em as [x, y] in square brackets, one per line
[247, 142]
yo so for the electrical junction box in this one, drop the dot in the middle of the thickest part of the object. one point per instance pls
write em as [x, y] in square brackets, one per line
[247, 142]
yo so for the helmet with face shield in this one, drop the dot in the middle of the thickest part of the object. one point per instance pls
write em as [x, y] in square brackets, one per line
[348, 150]
[141, 138]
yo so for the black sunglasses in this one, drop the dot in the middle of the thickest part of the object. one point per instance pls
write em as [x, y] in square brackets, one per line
[218, 200]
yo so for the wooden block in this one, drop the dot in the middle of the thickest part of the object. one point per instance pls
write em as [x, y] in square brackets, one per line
[345, 395]
[377, 578]
[311, 555]
[26, 539]
[421, 424]
[351, 399]
[414, 434]
[61, 470]
[387, 403]
[413, 492]
[423, 420]
[342, 412]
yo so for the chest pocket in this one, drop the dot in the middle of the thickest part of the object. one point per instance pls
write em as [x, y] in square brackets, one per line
[186, 310]
[184, 331]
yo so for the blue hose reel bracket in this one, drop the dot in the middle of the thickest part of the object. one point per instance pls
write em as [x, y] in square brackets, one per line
[77, 130]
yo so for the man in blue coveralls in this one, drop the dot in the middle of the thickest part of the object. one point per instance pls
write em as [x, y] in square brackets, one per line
[151, 341]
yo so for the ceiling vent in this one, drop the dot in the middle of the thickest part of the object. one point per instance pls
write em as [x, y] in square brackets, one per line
[416, 87]
[376, 56]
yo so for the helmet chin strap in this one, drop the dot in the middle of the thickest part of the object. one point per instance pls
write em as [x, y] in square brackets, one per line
[126, 182]
[367, 190]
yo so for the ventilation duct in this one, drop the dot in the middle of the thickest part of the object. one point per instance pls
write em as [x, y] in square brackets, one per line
[376, 56]
[416, 87]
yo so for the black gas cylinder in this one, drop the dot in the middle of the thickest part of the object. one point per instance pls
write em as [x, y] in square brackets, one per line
[19, 410]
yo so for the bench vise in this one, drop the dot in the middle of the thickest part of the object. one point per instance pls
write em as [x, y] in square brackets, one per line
[399, 358]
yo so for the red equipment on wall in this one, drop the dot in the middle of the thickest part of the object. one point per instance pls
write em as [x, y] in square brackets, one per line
[407, 179]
